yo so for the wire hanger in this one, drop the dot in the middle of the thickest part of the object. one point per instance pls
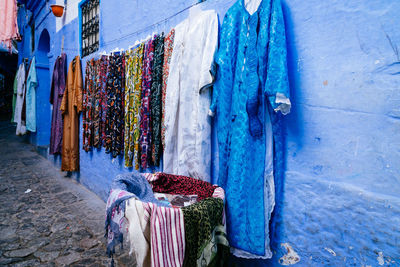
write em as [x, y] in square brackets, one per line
[62, 44]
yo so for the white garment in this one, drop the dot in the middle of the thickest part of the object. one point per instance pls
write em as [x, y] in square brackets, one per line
[188, 127]
[156, 234]
[139, 232]
[252, 5]
[21, 129]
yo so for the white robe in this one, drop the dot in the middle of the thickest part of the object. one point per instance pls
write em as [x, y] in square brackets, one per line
[188, 126]
[19, 102]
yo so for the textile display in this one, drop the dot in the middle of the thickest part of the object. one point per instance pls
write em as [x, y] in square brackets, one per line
[187, 127]
[58, 84]
[133, 97]
[8, 22]
[30, 101]
[71, 106]
[251, 86]
[20, 99]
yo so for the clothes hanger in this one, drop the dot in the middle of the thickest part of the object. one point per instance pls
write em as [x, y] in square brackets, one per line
[62, 44]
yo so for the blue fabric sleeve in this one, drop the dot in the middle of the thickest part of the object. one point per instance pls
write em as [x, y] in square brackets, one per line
[277, 83]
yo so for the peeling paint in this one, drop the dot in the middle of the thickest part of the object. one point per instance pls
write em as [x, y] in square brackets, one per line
[331, 251]
[380, 259]
[291, 257]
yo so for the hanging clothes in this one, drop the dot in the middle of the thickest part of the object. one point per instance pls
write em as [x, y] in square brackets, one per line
[8, 22]
[145, 113]
[251, 87]
[133, 90]
[71, 106]
[31, 84]
[56, 95]
[15, 94]
[23, 113]
[97, 107]
[115, 105]
[155, 100]
[88, 106]
[103, 97]
[19, 102]
[168, 48]
[187, 125]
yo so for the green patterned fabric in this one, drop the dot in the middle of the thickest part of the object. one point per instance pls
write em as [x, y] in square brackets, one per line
[200, 219]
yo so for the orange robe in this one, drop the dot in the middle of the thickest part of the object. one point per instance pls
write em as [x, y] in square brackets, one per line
[71, 106]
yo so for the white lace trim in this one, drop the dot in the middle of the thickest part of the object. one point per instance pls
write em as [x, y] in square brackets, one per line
[284, 102]
[247, 255]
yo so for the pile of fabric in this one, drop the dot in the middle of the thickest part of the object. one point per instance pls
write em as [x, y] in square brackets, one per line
[186, 233]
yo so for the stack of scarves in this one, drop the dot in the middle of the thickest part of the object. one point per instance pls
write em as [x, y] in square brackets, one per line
[162, 235]
[124, 187]
[124, 102]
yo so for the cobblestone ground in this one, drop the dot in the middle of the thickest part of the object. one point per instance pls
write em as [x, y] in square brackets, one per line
[57, 223]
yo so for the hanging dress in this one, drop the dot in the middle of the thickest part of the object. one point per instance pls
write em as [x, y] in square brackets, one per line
[187, 126]
[56, 94]
[8, 23]
[251, 88]
[19, 102]
[71, 106]
[31, 84]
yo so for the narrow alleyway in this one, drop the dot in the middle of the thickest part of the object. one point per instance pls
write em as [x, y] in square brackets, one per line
[47, 219]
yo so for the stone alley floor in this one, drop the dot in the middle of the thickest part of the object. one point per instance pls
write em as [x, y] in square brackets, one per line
[58, 223]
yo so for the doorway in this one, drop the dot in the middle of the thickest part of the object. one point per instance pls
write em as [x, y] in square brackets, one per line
[43, 108]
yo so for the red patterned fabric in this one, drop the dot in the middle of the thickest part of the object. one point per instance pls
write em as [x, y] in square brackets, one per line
[145, 113]
[182, 185]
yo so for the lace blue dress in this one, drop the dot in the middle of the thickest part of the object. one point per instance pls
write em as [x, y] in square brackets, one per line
[251, 80]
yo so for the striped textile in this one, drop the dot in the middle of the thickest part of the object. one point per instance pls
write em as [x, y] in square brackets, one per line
[167, 235]
[150, 177]
[167, 231]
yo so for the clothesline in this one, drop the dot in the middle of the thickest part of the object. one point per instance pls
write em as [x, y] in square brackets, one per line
[150, 26]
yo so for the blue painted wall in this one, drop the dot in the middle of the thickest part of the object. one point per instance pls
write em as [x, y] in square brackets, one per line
[338, 204]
